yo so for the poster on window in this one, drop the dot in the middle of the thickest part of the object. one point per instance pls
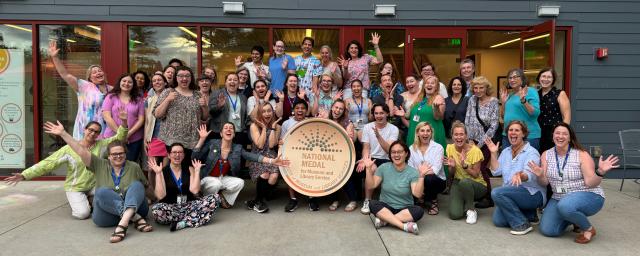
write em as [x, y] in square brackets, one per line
[12, 109]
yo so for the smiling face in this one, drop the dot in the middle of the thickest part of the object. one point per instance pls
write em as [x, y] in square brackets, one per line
[210, 73]
[427, 71]
[140, 80]
[117, 156]
[326, 82]
[126, 84]
[231, 83]
[466, 71]
[387, 83]
[411, 83]
[459, 136]
[158, 83]
[515, 81]
[299, 111]
[255, 56]
[325, 54]
[398, 154]
[176, 155]
[480, 90]
[267, 113]
[561, 137]
[380, 115]
[96, 75]
[243, 76]
[456, 86]
[430, 86]
[261, 89]
[425, 134]
[184, 78]
[92, 132]
[387, 69]
[292, 84]
[204, 85]
[356, 88]
[515, 135]
[337, 110]
[228, 132]
[546, 79]
[353, 51]
[169, 73]
[278, 47]
[307, 47]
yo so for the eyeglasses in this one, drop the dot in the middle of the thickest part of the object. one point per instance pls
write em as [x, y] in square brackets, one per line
[514, 77]
[184, 76]
[399, 152]
[119, 154]
[177, 152]
[92, 130]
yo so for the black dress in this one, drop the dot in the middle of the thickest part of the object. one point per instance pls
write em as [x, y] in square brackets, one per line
[453, 112]
[550, 115]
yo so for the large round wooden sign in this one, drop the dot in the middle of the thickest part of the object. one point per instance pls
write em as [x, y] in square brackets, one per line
[322, 157]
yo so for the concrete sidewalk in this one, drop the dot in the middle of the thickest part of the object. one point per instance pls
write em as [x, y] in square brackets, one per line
[36, 220]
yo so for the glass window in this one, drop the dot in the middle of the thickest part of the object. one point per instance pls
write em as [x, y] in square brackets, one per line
[220, 47]
[151, 48]
[16, 122]
[292, 38]
[494, 53]
[443, 53]
[79, 48]
[392, 48]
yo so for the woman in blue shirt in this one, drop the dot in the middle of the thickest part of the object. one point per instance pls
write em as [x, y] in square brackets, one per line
[521, 104]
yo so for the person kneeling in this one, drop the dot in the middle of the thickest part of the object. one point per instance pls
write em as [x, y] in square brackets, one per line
[119, 197]
[400, 183]
[178, 192]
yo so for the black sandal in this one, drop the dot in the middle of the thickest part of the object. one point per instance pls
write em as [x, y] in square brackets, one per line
[433, 208]
[119, 235]
[142, 227]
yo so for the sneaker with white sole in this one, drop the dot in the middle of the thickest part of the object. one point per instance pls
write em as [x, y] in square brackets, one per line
[411, 227]
[260, 207]
[378, 223]
[521, 230]
[365, 207]
[292, 205]
[472, 216]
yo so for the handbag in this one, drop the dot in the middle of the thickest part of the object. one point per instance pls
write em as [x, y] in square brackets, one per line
[497, 136]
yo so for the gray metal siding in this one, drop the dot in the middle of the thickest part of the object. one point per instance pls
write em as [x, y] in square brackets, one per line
[604, 94]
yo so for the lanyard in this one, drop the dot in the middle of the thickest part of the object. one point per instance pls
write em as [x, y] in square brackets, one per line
[422, 103]
[233, 103]
[566, 157]
[359, 105]
[178, 182]
[116, 180]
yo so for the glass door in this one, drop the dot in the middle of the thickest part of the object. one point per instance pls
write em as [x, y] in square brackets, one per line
[442, 47]
[537, 49]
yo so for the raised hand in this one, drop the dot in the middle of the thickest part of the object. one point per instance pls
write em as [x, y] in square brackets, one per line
[267, 96]
[449, 161]
[196, 166]
[437, 102]
[53, 49]
[285, 62]
[323, 113]
[14, 179]
[504, 95]
[343, 62]
[55, 129]
[238, 61]
[516, 179]
[280, 95]
[375, 38]
[424, 169]
[523, 94]
[393, 91]
[399, 111]
[172, 96]
[375, 131]
[204, 100]
[259, 123]
[202, 131]
[301, 94]
[275, 123]
[157, 169]
[607, 164]
[222, 99]
[493, 147]
[338, 95]
[536, 169]
[280, 161]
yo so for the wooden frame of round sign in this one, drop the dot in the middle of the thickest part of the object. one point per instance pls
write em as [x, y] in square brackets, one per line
[321, 155]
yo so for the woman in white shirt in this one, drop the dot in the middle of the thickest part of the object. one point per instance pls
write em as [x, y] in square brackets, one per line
[425, 151]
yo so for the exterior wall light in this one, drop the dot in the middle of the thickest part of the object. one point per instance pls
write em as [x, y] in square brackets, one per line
[548, 10]
[233, 7]
[385, 10]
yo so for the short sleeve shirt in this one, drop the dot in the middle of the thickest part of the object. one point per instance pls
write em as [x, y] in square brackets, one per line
[473, 156]
[396, 185]
[102, 170]
[306, 69]
[134, 110]
[89, 107]
[389, 133]
[278, 74]
[359, 69]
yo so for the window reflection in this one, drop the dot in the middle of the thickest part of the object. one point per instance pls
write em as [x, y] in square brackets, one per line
[292, 38]
[16, 40]
[79, 48]
[220, 47]
[151, 48]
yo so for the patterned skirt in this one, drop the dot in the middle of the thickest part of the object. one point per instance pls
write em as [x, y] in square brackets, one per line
[194, 213]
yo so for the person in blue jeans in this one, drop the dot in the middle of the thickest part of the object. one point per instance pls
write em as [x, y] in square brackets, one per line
[523, 103]
[119, 196]
[520, 195]
[575, 182]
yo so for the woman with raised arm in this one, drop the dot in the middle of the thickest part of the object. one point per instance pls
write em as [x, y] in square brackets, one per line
[429, 107]
[120, 185]
[125, 95]
[425, 151]
[355, 64]
[522, 104]
[79, 182]
[520, 196]
[91, 92]
[359, 108]
[178, 191]
[575, 182]
[265, 133]
[261, 95]
[399, 184]
[222, 157]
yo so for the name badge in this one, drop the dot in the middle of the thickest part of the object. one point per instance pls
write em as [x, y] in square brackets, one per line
[416, 118]
[561, 190]
[181, 199]
[235, 116]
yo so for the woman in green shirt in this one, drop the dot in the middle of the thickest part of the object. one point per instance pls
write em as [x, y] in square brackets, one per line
[79, 182]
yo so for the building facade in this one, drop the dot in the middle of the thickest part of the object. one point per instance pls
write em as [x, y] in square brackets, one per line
[126, 36]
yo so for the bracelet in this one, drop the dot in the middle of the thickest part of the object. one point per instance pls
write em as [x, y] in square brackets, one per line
[598, 173]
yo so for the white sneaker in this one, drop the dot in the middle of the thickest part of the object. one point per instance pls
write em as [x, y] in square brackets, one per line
[365, 207]
[472, 216]
[378, 223]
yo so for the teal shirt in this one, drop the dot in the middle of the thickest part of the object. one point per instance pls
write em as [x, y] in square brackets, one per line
[514, 110]
[396, 185]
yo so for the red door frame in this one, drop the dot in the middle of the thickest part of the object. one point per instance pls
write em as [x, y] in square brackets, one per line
[118, 51]
[538, 30]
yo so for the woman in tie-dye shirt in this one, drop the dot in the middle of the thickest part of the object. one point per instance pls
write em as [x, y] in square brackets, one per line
[90, 92]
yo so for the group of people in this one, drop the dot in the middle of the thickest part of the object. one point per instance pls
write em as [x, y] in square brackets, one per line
[180, 142]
